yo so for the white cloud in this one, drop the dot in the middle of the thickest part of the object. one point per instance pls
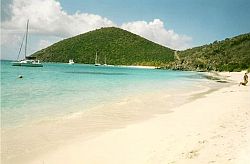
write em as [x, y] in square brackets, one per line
[10, 44]
[156, 32]
[10, 41]
[48, 19]
[43, 44]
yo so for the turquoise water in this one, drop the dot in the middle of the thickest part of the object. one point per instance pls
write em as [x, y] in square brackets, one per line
[62, 89]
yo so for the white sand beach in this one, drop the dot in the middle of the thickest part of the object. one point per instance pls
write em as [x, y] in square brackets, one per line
[212, 129]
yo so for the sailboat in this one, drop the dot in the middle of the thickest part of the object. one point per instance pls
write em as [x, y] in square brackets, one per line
[28, 61]
[71, 61]
[96, 60]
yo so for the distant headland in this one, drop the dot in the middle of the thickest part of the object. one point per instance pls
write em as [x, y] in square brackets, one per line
[120, 47]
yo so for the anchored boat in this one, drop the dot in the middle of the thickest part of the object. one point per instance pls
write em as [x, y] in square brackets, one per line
[28, 61]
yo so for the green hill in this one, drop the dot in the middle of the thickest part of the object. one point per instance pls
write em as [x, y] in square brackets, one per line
[231, 54]
[120, 47]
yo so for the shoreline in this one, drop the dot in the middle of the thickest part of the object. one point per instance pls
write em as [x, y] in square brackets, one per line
[216, 134]
[88, 124]
[97, 135]
[103, 65]
[137, 66]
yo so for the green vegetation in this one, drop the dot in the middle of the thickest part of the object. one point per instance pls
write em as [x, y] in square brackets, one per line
[228, 55]
[120, 47]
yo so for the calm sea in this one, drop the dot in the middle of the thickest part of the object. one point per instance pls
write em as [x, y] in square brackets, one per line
[57, 90]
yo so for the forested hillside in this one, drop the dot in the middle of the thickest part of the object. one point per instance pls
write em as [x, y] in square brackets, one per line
[118, 46]
[231, 54]
[121, 47]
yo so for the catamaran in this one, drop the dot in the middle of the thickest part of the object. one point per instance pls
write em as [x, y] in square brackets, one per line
[28, 61]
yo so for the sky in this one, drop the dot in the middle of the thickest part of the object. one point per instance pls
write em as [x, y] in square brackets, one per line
[178, 24]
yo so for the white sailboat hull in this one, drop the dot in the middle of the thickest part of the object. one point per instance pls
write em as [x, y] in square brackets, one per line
[71, 61]
[27, 63]
[16, 63]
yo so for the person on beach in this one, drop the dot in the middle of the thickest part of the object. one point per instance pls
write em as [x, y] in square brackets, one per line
[245, 80]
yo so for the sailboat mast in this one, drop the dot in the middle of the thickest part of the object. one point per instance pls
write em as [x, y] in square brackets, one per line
[20, 47]
[26, 39]
[95, 57]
